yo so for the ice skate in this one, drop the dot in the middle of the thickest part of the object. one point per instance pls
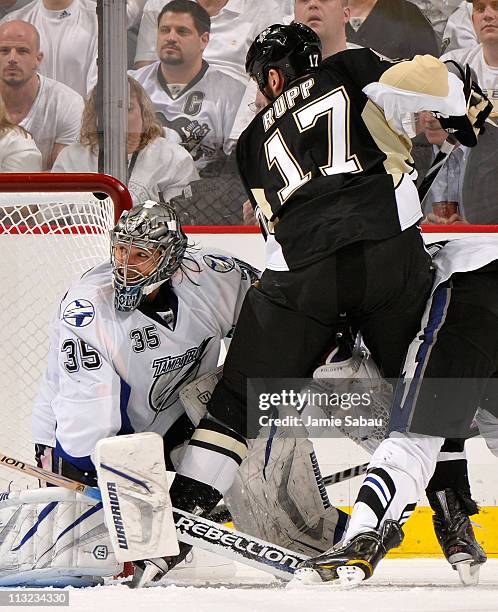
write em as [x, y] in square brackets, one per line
[352, 562]
[455, 533]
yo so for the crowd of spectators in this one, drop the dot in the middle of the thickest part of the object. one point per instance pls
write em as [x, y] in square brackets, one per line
[190, 98]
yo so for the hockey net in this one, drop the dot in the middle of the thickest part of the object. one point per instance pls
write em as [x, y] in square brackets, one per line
[52, 229]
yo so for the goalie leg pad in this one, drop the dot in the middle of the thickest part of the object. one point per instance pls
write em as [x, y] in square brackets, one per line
[278, 495]
[53, 537]
[488, 428]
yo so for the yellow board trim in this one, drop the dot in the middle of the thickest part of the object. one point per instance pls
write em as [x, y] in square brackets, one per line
[420, 540]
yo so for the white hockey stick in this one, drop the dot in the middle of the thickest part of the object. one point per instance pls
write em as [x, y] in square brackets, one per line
[194, 530]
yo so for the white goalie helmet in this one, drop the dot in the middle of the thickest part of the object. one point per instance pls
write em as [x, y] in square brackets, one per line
[147, 248]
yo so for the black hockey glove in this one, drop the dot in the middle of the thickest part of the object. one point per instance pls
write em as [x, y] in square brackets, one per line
[466, 128]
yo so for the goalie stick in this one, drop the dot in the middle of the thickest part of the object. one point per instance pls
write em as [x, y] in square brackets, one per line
[195, 530]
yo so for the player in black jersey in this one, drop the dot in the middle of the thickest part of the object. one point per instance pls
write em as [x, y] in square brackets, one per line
[328, 168]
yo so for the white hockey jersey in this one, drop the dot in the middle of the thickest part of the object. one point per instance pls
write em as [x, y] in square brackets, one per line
[113, 372]
[463, 255]
[202, 116]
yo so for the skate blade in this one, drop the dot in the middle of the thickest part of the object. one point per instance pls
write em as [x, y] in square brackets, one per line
[468, 573]
[140, 579]
[350, 575]
[306, 577]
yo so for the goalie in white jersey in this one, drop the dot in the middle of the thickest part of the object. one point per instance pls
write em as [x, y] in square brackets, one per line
[127, 337]
[130, 334]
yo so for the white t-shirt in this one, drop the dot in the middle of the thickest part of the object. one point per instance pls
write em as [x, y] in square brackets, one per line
[133, 364]
[201, 117]
[19, 153]
[459, 31]
[233, 30]
[55, 117]
[69, 41]
[487, 76]
[161, 167]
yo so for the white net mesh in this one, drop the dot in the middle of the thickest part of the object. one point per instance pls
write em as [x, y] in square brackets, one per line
[47, 240]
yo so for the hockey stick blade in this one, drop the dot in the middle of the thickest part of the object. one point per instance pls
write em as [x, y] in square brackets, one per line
[194, 530]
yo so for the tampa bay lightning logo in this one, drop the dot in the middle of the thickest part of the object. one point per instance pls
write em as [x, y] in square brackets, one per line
[79, 313]
[219, 263]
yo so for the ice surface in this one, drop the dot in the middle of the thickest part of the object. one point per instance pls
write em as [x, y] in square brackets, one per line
[404, 585]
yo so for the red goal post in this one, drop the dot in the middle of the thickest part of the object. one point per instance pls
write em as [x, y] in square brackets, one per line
[53, 227]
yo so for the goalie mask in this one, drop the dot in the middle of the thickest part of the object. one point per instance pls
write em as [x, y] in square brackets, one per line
[295, 49]
[147, 248]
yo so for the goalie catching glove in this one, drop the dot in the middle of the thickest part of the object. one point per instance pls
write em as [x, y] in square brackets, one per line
[466, 128]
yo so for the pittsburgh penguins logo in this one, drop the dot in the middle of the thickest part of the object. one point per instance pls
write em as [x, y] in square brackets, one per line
[264, 34]
[191, 134]
[79, 313]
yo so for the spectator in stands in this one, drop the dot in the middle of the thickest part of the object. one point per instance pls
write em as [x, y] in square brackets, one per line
[48, 110]
[459, 31]
[443, 202]
[196, 102]
[328, 18]
[69, 40]
[157, 169]
[394, 28]
[7, 6]
[480, 184]
[465, 189]
[483, 57]
[234, 25]
[18, 151]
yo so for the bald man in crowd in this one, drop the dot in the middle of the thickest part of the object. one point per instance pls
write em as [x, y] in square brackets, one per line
[50, 111]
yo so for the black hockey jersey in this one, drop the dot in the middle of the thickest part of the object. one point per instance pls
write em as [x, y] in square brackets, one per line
[328, 163]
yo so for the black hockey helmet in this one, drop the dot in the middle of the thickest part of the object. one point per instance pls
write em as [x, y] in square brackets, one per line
[294, 48]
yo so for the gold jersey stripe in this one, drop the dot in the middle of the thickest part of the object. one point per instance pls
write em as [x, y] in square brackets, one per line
[221, 440]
